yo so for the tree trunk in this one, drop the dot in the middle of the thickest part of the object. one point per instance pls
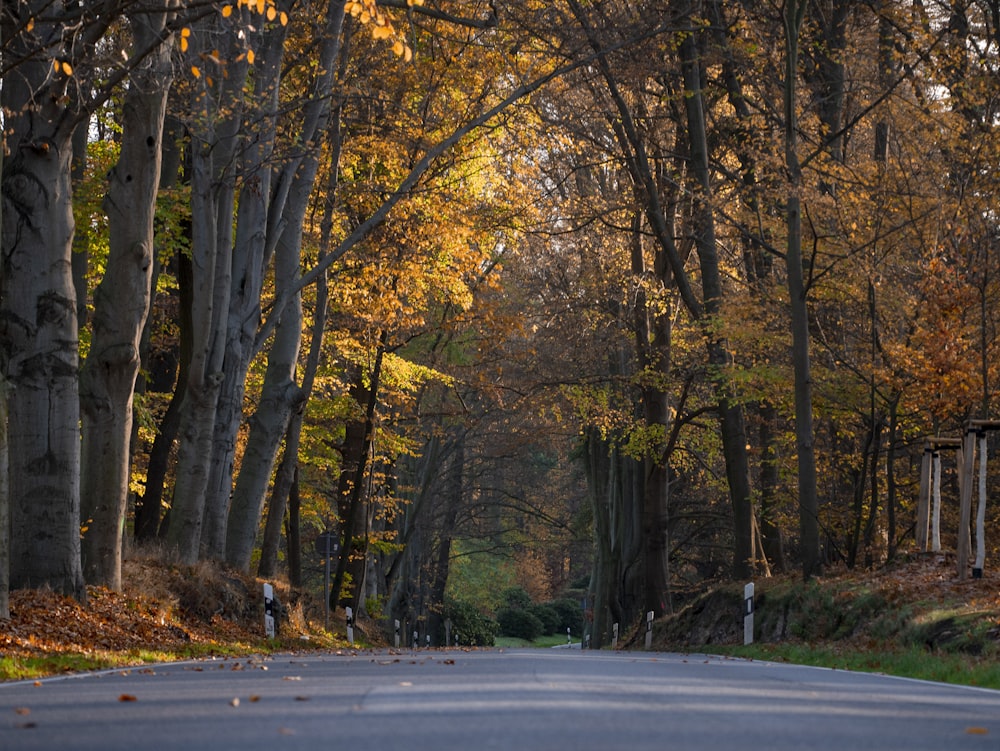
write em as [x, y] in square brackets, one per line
[292, 534]
[653, 329]
[808, 499]
[212, 201]
[121, 305]
[39, 334]
[733, 427]
[280, 394]
[4, 497]
[288, 468]
[253, 242]
[352, 477]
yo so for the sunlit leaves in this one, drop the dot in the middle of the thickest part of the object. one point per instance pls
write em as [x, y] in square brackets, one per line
[368, 13]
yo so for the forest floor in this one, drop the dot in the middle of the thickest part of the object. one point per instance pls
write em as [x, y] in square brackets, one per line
[916, 610]
[165, 612]
[914, 617]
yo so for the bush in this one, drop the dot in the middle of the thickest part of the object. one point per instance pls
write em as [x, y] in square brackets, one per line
[469, 625]
[549, 617]
[516, 598]
[519, 623]
[570, 615]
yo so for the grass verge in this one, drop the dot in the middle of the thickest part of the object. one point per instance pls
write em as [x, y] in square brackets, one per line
[906, 662]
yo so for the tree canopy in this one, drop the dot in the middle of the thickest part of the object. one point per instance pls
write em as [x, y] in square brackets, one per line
[607, 299]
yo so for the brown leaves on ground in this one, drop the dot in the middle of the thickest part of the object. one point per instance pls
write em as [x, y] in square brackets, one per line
[164, 608]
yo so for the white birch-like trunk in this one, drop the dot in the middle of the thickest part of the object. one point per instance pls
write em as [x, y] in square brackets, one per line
[121, 305]
[212, 201]
[249, 260]
[280, 392]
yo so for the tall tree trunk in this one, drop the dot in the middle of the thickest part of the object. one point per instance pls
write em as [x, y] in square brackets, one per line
[121, 305]
[148, 524]
[212, 202]
[292, 534]
[280, 393]
[794, 14]
[653, 329]
[4, 494]
[252, 249]
[289, 462]
[733, 425]
[349, 500]
[38, 308]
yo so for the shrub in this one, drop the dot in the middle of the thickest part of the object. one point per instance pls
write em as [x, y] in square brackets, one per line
[516, 597]
[549, 617]
[570, 615]
[469, 625]
[519, 623]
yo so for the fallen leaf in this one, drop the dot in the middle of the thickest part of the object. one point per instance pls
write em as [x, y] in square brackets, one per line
[977, 731]
[22, 710]
[254, 697]
[292, 678]
[234, 702]
[301, 698]
[127, 697]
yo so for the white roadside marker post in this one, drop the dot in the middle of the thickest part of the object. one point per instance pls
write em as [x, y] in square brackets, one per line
[649, 630]
[269, 611]
[396, 634]
[350, 626]
[748, 614]
[614, 636]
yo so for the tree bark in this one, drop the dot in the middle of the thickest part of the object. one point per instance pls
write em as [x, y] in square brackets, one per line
[212, 201]
[253, 242]
[351, 482]
[280, 394]
[121, 306]
[38, 311]
[732, 421]
[799, 313]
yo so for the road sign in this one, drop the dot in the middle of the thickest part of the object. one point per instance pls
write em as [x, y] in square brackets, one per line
[748, 614]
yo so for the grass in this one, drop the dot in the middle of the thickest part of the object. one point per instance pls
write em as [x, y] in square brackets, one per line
[28, 667]
[907, 662]
[551, 640]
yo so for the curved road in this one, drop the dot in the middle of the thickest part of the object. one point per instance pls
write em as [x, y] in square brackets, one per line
[564, 700]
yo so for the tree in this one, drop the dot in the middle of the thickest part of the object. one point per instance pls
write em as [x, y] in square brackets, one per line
[121, 302]
[793, 14]
[37, 297]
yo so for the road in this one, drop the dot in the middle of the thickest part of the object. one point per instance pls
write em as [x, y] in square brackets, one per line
[564, 700]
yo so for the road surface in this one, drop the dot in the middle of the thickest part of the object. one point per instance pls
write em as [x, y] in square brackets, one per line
[564, 700]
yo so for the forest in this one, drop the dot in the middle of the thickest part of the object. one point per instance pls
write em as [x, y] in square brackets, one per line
[599, 299]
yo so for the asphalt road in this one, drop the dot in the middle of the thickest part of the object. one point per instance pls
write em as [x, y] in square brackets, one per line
[564, 700]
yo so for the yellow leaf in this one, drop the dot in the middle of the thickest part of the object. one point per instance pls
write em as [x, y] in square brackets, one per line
[195, 72]
[398, 48]
[271, 13]
[381, 32]
[184, 44]
[30, 25]
[407, 53]
[185, 32]
[411, 3]
[227, 11]
[284, 18]
[250, 56]
[67, 69]
[55, 65]
[260, 6]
